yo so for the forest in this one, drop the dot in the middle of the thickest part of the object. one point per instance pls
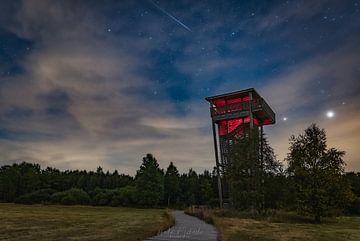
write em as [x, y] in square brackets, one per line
[28, 183]
[273, 187]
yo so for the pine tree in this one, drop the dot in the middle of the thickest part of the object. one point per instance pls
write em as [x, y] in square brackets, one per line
[149, 182]
[171, 184]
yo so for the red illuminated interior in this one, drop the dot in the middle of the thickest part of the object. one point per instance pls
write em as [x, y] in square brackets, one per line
[229, 126]
[233, 126]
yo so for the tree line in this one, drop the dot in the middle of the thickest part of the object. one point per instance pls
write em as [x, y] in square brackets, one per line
[151, 186]
[314, 181]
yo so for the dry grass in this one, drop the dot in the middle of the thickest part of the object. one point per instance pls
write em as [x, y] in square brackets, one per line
[235, 226]
[42, 223]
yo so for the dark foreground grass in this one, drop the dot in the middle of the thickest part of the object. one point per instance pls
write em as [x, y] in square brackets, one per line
[281, 226]
[53, 222]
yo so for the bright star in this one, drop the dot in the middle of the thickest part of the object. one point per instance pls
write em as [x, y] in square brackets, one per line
[285, 119]
[330, 114]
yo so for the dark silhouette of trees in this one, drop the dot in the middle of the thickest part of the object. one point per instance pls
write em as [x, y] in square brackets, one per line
[354, 180]
[205, 193]
[314, 182]
[28, 183]
[251, 173]
[18, 180]
[149, 181]
[243, 174]
[172, 185]
[318, 174]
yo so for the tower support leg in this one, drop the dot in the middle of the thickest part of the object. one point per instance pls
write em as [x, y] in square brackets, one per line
[262, 167]
[217, 166]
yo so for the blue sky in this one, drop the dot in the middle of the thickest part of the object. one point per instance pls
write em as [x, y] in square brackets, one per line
[89, 83]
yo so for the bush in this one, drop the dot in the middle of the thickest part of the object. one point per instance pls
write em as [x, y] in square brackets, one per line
[125, 196]
[57, 197]
[354, 208]
[39, 196]
[68, 200]
[71, 197]
[102, 198]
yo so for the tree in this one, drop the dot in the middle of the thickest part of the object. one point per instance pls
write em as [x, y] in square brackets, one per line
[354, 179]
[171, 184]
[205, 190]
[318, 174]
[273, 180]
[149, 182]
[192, 187]
[250, 171]
[9, 182]
[243, 173]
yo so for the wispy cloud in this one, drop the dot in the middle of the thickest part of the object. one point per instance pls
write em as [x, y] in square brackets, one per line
[108, 121]
[86, 98]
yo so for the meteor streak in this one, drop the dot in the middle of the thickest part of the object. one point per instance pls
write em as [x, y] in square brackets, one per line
[170, 16]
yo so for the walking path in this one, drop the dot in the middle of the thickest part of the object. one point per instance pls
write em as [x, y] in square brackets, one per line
[187, 228]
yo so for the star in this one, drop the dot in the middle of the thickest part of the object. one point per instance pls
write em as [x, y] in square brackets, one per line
[285, 118]
[330, 114]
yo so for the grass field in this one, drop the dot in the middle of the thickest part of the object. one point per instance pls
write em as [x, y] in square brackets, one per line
[234, 229]
[53, 222]
[282, 227]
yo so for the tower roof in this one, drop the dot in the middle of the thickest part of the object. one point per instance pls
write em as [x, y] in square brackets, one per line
[233, 94]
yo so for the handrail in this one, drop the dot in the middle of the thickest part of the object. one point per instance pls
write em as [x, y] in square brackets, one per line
[267, 109]
[242, 106]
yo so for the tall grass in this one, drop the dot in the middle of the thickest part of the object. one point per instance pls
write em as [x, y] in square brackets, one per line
[277, 225]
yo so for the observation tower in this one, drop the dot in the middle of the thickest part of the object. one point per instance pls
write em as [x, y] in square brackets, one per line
[233, 116]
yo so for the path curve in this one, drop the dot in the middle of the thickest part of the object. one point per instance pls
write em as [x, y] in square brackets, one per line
[187, 228]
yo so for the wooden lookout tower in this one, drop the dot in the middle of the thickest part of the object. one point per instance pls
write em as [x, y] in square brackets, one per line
[234, 115]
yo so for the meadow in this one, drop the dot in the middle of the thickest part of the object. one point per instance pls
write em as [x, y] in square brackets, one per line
[280, 226]
[57, 222]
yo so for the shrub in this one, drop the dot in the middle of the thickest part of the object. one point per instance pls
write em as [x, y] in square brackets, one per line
[71, 197]
[125, 196]
[102, 198]
[354, 208]
[68, 200]
[57, 197]
[39, 196]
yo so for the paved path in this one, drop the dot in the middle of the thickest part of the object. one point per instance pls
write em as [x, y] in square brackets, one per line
[187, 228]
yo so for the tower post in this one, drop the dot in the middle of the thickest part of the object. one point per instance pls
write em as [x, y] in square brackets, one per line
[250, 112]
[217, 166]
[262, 166]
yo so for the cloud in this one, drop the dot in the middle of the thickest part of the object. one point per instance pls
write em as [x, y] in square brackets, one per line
[342, 132]
[106, 119]
[300, 95]
[297, 12]
[301, 85]
[86, 98]
[319, 75]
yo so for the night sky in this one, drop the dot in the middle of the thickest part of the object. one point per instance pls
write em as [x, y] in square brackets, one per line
[89, 83]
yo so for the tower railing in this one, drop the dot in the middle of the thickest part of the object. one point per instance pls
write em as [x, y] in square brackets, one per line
[267, 109]
[256, 104]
